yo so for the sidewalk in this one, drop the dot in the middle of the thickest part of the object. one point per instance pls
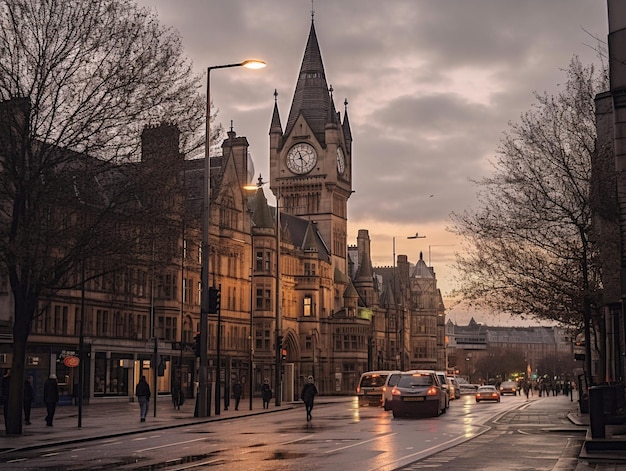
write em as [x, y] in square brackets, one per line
[102, 420]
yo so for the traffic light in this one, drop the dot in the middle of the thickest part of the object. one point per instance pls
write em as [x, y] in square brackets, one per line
[196, 344]
[214, 300]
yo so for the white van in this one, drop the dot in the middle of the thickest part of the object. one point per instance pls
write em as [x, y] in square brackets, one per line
[370, 388]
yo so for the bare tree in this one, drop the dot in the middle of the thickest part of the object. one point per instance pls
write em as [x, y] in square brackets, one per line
[79, 80]
[528, 243]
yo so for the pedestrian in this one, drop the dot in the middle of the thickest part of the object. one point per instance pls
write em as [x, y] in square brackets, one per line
[50, 397]
[178, 397]
[28, 400]
[308, 396]
[6, 379]
[237, 390]
[142, 391]
[266, 393]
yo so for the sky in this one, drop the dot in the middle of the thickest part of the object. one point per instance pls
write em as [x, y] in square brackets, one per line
[431, 86]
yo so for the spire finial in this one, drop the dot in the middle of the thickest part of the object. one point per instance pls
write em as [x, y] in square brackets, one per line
[231, 125]
[312, 12]
[331, 90]
[345, 104]
[275, 95]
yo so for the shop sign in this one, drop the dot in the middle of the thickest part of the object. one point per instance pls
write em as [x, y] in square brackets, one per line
[71, 361]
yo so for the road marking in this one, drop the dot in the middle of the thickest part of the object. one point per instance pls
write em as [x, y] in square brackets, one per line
[360, 443]
[171, 444]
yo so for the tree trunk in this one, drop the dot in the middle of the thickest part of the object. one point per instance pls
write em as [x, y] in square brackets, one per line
[24, 311]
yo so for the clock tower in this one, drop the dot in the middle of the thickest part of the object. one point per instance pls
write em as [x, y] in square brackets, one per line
[311, 161]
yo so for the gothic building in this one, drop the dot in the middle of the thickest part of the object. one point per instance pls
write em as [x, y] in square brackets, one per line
[296, 300]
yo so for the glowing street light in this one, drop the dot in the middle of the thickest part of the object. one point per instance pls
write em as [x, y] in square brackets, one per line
[204, 302]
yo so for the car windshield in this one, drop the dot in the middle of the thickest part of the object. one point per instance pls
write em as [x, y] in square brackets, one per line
[411, 381]
[486, 388]
[373, 381]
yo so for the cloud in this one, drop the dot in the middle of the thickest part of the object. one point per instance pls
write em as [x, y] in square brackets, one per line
[431, 88]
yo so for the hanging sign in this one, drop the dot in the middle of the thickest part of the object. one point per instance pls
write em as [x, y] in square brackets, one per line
[71, 361]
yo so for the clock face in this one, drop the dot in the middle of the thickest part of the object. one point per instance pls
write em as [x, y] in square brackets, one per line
[301, 158]
[341, 161]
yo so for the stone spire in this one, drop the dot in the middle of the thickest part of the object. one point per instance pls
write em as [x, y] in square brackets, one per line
[311, 98]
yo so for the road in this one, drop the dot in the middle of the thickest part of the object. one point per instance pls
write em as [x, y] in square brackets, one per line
[341, 436]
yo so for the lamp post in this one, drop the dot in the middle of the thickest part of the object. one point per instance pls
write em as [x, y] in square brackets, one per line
[437, 245]
[204, 301]
[402, 330]
[278, 322]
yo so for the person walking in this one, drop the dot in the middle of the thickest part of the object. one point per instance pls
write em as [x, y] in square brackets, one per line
[309, 391]
[51, 397]
[266, 393]
[28, 400]
[178, 397]
[237, 390]
[142, 391]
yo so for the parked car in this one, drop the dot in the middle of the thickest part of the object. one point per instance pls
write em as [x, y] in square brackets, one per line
[456, 386]
[418, 394]
[508, 387]
[392, 380]
[445, 385]
[370, 388]
[487, 393]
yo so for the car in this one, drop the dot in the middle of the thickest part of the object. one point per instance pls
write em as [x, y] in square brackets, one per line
[508, 387]
[487, 393]
[370, 388]
[391, 381]
[445, 385]
[418, 394]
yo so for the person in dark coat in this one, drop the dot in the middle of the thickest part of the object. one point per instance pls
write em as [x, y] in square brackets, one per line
[237, 391]
[266, 393]
[178, 397]
[309, 391]
[142, 391]
[28, 400]
[51, 397]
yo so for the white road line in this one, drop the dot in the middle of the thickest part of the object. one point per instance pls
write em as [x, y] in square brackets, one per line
[359, 443]
[171, 444]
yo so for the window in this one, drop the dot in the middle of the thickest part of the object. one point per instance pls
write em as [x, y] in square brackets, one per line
[263, 299]
[263, 261]
[309, 269]
[263, 338]
[186, 290]
[308, 306]
[102, 323]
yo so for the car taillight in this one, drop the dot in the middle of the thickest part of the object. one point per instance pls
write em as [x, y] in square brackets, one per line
[431, 392]
[358, 389]
[494, 395]
[395, 392]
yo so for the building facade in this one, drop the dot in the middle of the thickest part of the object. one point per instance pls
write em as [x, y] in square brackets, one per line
[295, 299]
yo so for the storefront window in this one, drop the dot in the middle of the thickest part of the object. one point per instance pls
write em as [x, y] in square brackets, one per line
[112, 375]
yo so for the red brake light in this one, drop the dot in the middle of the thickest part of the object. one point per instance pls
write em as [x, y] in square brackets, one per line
[431, 392]
[358, 389]
[395, 392]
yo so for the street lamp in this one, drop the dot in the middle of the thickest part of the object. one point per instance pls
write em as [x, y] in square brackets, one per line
[278, 319]
[402, 330]
[204, 308]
